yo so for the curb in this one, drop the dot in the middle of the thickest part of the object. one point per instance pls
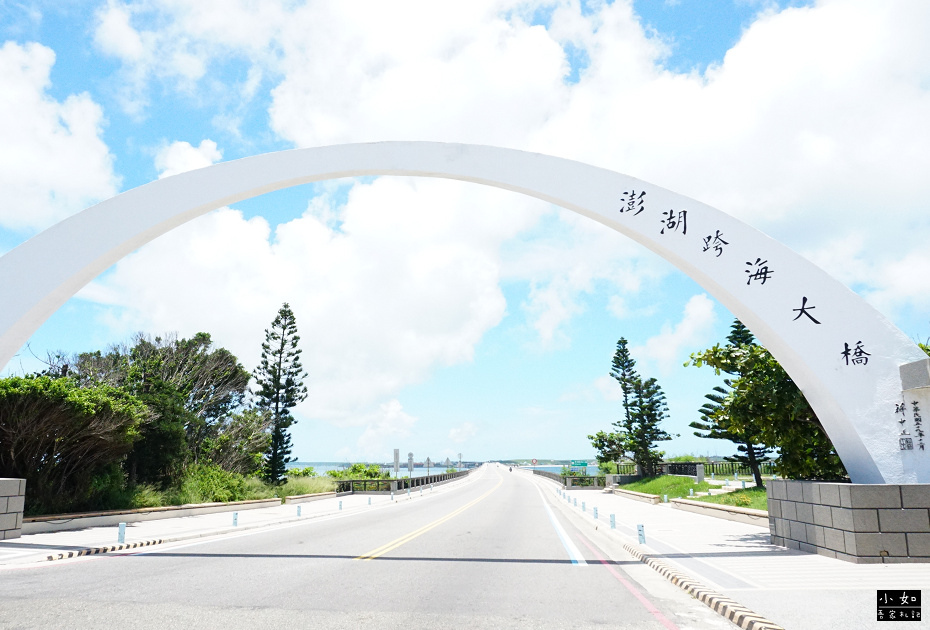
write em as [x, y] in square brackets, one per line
[720, 604]
[91, 551]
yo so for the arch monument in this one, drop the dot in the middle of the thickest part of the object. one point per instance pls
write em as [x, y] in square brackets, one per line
[867, 381]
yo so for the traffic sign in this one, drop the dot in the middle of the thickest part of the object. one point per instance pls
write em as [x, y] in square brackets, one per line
[580, 463]
[534, 462]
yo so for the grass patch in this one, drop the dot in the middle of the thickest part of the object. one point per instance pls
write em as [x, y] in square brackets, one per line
[305, 485]
[754, 498]
[667, 484]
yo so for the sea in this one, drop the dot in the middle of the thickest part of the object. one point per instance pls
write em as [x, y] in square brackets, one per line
[322, 467]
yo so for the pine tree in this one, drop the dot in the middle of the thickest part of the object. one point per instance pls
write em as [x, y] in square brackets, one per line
[623, 370]
[643, 409]
[280, 377]
[648, 410]
[740, 335]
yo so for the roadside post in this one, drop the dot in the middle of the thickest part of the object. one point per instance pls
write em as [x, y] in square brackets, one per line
[340, 505]
[613, 521]
[121, 537]
[396, 462]
[298, 511]
[595, 514]
[235, 519]
[642, 534]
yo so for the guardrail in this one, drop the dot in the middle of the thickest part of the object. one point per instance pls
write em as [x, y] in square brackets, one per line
[573, 481]
[352, 486]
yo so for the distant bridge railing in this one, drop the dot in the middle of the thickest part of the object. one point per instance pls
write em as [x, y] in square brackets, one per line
[346, 486]
[573, 481]
[628, 472]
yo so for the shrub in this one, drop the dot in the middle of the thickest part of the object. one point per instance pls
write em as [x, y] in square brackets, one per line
[208, 483]
[301, 472]
[305, 485]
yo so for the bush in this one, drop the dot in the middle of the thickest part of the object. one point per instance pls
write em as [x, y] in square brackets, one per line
[359, 471]
[208, 483]
[305, 485]
[301, 472]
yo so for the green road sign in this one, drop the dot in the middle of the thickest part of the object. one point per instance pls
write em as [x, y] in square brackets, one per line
[578, 462]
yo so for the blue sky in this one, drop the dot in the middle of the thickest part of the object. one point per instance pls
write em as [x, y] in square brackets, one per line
[439, 317]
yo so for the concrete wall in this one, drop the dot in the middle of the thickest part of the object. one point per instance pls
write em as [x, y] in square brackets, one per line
[853, 522]
[12, 500]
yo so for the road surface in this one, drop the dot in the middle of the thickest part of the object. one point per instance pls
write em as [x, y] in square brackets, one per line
[498, 550]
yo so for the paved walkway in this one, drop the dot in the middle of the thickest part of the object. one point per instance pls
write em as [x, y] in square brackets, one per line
[790, 588]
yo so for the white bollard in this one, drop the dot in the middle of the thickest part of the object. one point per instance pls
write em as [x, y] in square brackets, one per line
[121, 537]
[298, 511]
[235, 519]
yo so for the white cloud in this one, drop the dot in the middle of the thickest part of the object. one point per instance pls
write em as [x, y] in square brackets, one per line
[812, 128]
[179, 157]
[609, 388]
[671, 347]
[394, 284]
[382, 429]
[53, 161]
[463, 432]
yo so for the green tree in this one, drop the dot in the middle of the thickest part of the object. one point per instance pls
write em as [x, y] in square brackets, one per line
[764, 398]
[61, 437]
[279, 378]
[648, 410]
[623, 370]
[716, 422]
[190, 389]
[643, 409]
[609, 447]
[240, 442]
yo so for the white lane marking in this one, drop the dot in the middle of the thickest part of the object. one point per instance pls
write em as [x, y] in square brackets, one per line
[573, 553]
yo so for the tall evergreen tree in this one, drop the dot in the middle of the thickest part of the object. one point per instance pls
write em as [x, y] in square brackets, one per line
[623, 370]
[716, 422]
[643, 409]
[649, 409]
[279, 378]
[763, 406]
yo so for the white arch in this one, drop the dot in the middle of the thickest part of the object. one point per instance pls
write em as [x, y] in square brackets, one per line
[855, 400]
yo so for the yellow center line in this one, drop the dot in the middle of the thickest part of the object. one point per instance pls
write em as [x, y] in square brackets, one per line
[394, 544]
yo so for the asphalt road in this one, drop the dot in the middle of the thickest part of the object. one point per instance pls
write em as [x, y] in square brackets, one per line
[497, 551]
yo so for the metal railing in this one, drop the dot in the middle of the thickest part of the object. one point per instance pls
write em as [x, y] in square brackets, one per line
[394, 485]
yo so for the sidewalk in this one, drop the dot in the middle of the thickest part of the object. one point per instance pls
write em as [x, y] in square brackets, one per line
[53, 546]
[790, 588]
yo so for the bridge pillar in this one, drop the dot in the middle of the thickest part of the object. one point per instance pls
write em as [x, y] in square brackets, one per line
[12, 501]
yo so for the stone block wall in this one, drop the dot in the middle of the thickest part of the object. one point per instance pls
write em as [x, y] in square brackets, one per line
[12, 500]
[854, 522]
